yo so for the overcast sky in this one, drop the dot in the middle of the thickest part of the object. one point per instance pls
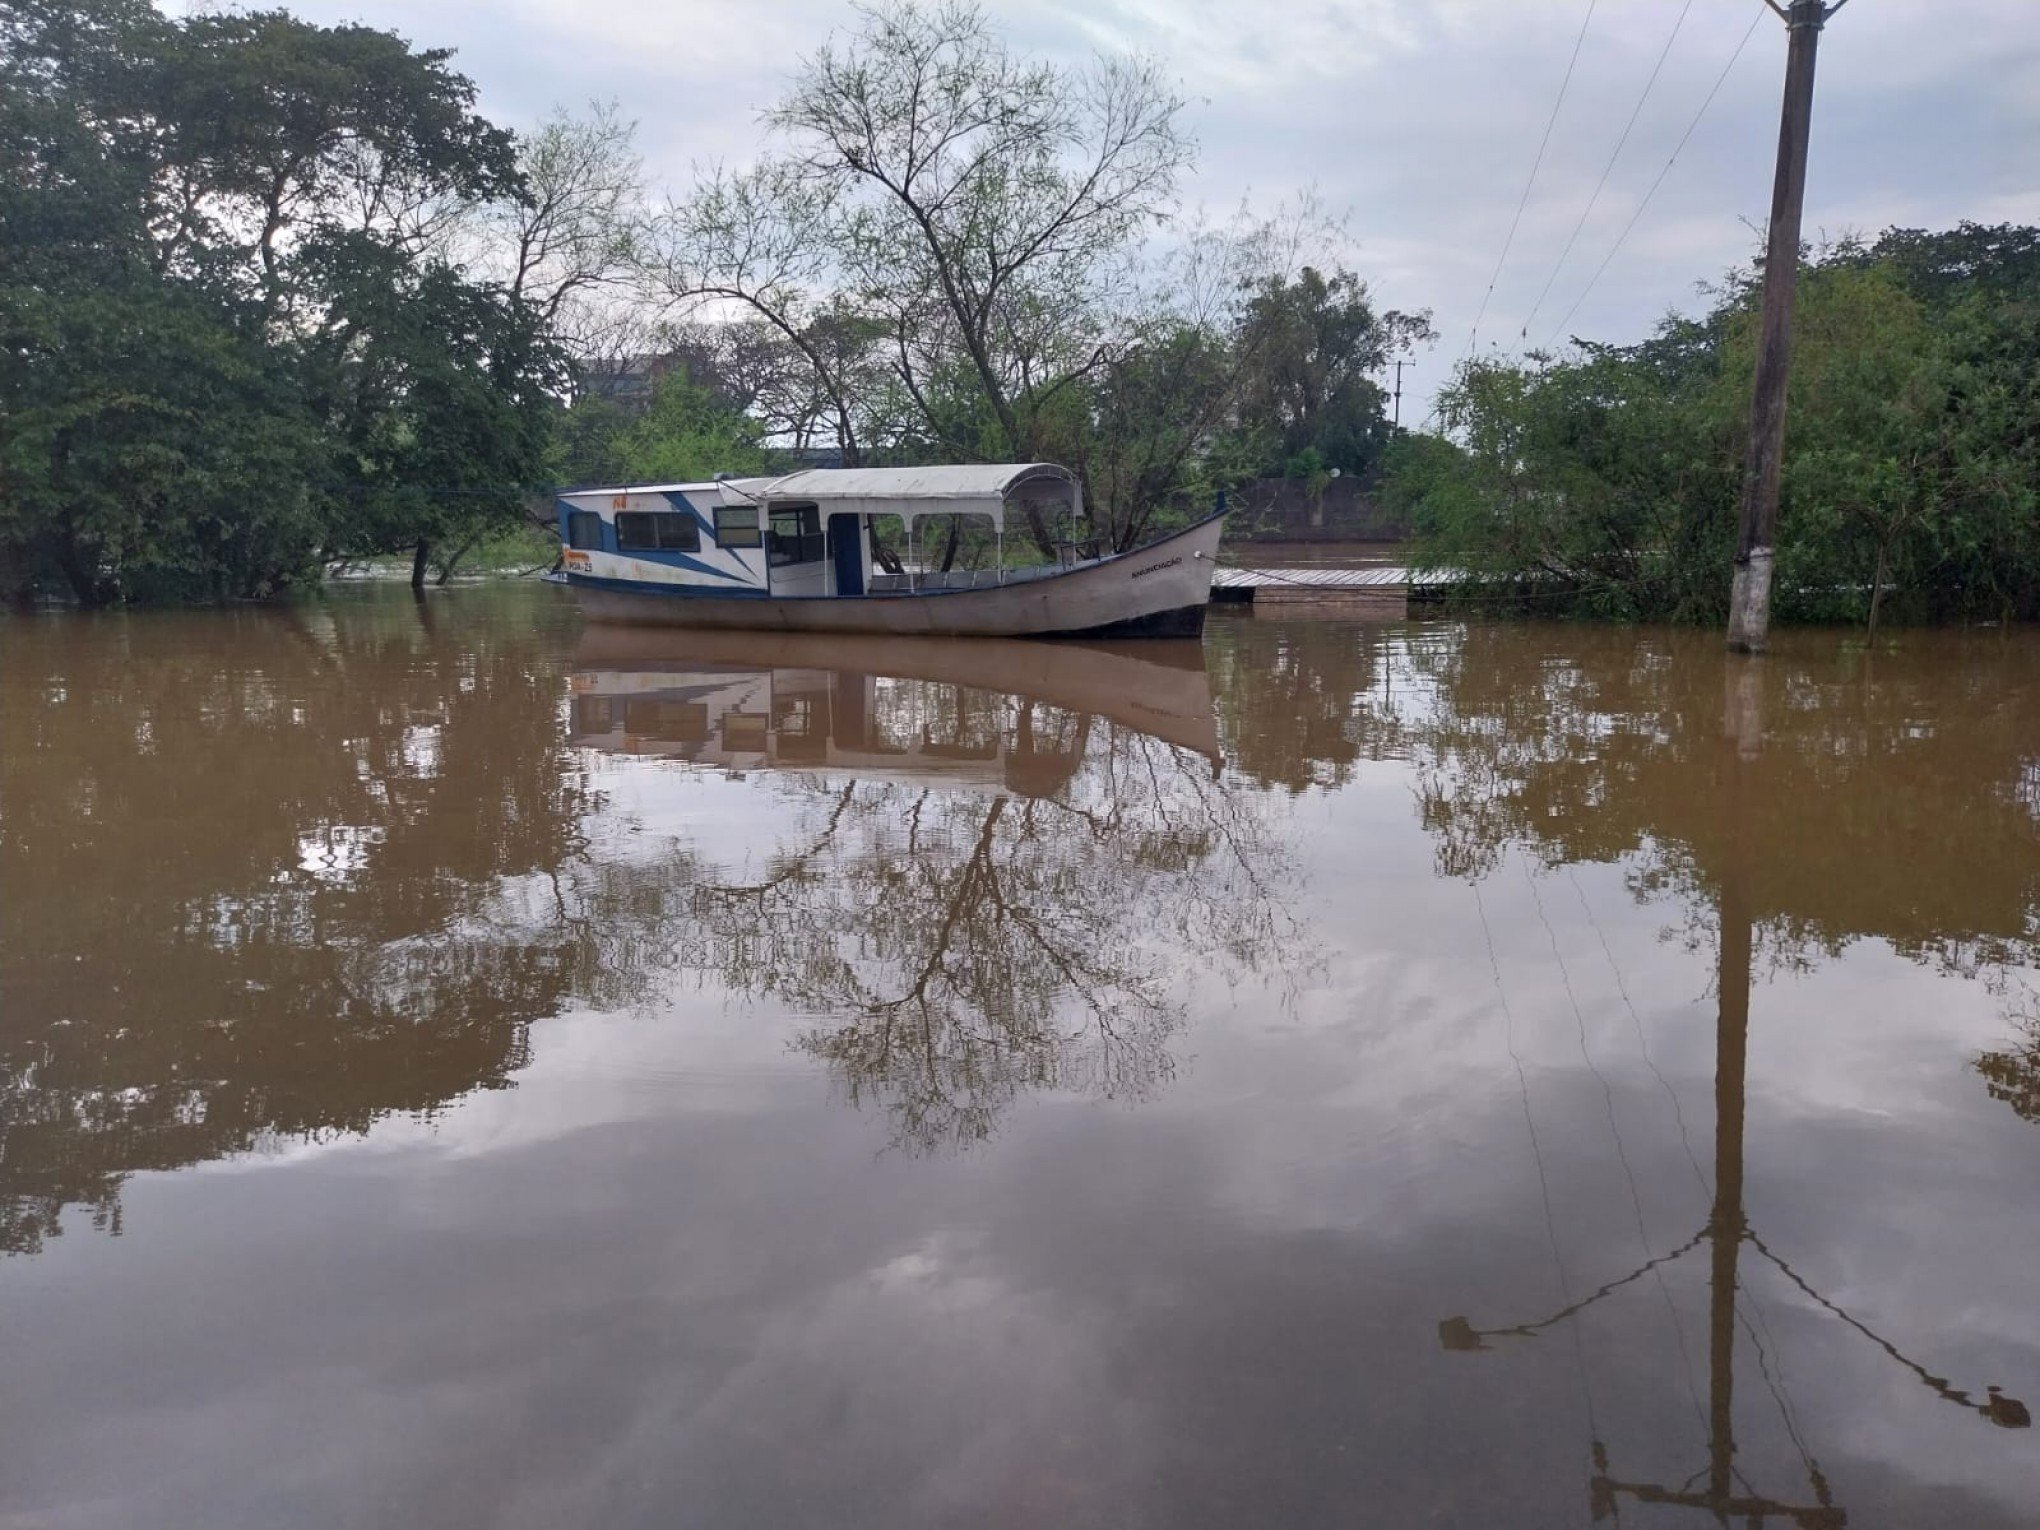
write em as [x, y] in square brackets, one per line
[1420, 119]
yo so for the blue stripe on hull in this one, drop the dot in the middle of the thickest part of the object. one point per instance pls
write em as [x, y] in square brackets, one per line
[683, 591]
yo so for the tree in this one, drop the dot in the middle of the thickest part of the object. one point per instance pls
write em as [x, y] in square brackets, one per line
[1602, 480]
[688, 435]
[1308, 378]
[152, 445]
[231, 341]
[440, 394]
[1869, 466]
[1584, 481]
[569, 247]
[279, 133]
[1160, 428]
[151, 451]
[966, 214]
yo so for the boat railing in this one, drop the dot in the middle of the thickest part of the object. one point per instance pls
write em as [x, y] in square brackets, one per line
[915, 580]
[1071, 551]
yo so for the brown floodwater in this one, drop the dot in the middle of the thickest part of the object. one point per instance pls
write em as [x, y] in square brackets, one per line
[458, 1070]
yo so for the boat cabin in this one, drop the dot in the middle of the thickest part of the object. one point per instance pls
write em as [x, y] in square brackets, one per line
[807, 534]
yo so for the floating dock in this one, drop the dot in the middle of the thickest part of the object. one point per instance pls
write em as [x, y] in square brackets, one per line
[1383, 590]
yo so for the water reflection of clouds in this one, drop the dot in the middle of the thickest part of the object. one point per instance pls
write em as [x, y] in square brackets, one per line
[335, 852]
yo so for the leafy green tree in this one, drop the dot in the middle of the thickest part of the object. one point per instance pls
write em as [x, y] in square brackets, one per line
[1312, 345]
[152, 444]
[232, 340]
[1868, 476]
[687, 431]
[1604, 480]
[586, 442]
[688, 435]
[151, 451]
[437, 392]
[1583, 480]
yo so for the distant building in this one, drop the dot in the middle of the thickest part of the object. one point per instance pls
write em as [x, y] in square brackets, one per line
[796, 459]
[626, 381]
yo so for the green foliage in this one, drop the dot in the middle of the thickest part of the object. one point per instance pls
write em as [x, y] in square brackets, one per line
[586, 442]
[1146, 421]
[1310, 349]
[687, 433]
[150, 451]
[1606, 481]
[231, 344]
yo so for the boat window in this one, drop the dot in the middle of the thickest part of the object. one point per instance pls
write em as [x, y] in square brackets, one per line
[736, 525]
[584, 530]
[745, 732]
[592, 715]
[796, 535]
[657, 532]
[661, 720]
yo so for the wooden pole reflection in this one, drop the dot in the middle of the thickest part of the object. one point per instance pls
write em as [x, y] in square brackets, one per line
[1727, 1224]
[1727, 1227]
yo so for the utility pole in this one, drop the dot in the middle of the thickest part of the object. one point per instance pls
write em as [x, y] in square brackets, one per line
[1396, 420]
[1749, 603]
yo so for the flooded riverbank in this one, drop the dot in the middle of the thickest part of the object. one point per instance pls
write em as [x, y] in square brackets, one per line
[461, 1070]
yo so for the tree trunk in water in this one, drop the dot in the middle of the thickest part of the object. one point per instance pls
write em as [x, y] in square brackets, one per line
[1877, 588]
[453, 559]
[82, 574]
[949, 544]
[419, 558]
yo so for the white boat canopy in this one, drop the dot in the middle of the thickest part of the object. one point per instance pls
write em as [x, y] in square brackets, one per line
[970, 489]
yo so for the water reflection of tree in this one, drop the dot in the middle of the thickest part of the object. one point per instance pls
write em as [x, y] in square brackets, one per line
[961, 948]
[271, 851]
[1301, 703]
[1894, 796]
[2013, 1074]
[304, 871]
[1722, 795]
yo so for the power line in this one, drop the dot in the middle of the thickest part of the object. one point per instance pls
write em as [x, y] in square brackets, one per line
[1719, 80]
[1537, 1155]
[1585, 212]
[1524, 201]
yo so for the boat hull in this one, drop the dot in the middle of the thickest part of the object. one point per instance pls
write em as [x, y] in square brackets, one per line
[1160, 590]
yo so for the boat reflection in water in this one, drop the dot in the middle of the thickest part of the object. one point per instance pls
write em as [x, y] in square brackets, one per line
[992, 862]
[1008, 714]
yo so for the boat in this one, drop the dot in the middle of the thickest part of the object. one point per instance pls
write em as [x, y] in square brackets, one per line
[1001, 714]
[797, 553]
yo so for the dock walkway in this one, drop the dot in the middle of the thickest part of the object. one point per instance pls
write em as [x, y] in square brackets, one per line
[1380, 590]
